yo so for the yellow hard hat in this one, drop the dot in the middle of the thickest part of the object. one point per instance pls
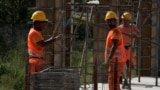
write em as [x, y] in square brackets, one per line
[126, 15]
[39, 16]
[110, 14]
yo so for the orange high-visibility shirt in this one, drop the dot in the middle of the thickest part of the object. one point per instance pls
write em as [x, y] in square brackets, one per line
[35, 36]
[127, 30]
[127, 39]
[120, 51]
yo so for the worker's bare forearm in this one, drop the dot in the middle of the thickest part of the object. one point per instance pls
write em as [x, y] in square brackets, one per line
[47, 42]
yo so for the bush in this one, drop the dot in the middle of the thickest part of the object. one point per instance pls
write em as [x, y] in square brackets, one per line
[12, 67]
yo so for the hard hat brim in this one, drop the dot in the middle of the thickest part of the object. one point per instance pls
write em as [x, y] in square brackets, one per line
[46, 20]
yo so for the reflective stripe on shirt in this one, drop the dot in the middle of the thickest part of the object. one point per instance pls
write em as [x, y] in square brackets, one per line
[33, 54]
[117, 50]
[118, 57]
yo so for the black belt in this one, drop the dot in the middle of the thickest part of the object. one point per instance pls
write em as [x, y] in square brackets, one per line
[127, 46]
[36, 57]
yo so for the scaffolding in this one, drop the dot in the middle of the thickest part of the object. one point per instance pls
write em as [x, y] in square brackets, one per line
[145, 16]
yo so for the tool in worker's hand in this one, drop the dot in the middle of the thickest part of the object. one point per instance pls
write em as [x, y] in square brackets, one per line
[60, 18]
[58, 37]
[55, 31]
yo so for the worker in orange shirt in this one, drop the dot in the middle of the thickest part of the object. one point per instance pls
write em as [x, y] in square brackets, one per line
[36, 42]
[127, 29]
[114, 51]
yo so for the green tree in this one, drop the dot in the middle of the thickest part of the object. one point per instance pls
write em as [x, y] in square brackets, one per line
[14, 11]
[13, 14]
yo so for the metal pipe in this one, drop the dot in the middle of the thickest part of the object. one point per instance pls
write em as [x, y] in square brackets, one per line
[95, 74]
[157, 47]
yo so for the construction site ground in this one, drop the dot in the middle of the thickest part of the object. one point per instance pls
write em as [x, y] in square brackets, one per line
[146, 83]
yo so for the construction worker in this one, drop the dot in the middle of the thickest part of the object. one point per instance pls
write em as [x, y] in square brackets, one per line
[114, 51]
[127, 29]
[36, 42]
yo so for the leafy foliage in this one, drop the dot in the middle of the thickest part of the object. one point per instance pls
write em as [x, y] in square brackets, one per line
[14, 11]
[12, 70]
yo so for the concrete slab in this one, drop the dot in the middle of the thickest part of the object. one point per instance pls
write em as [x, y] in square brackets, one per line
[142, 83]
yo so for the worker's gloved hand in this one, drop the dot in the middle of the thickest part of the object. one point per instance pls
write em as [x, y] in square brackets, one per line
[106, 63]
[127, 46]
[134, 34]
[134, 67]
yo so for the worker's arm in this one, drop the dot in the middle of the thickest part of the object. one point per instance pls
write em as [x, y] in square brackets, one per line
[113, 48]
[44, 43]
[135, 31]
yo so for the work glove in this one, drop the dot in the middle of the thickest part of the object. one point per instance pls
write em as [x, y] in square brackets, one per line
[127, 46]
[105, 64]
[134, 34]
[134, 67]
